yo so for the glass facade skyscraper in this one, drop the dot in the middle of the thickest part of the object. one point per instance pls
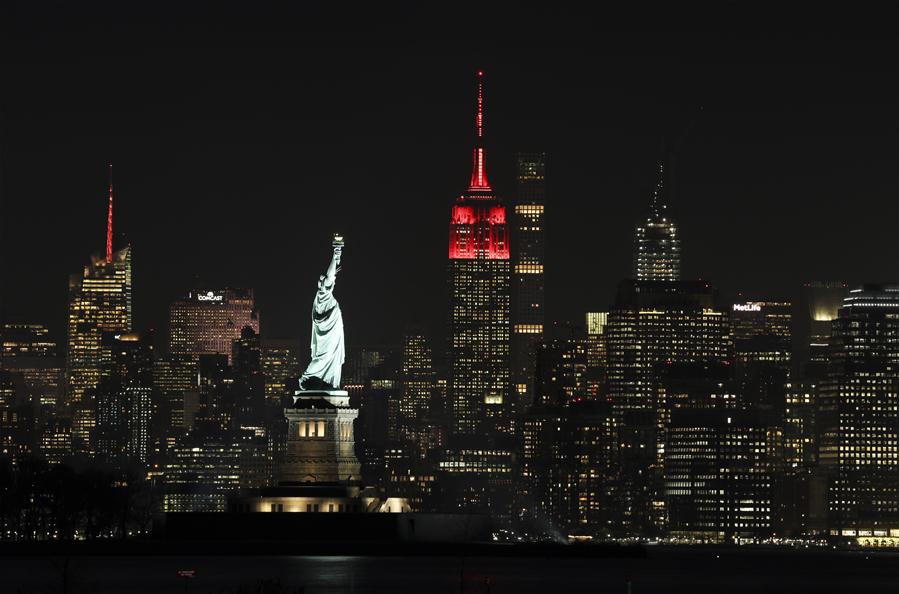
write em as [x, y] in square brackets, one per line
[99, 301]
[858, 424]
[528, 239]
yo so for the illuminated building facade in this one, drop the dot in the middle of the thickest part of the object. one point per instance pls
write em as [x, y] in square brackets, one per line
[823, 299]
[124, 401]
[99, 301]
[56, 440]
[25, 340]
[597, 361]
[27, 350]
[654, 322]
[650, 324]
[859, 416]
[479, 283]
[173, 377]
[656, 242]
[565, 471]
[416, 389]
[800, 442]
[528, 228]
[475, 469]
[561, 367]
[206, 322]
[11, 419]
[721, 470]
[280, 365]
[200, 476]
[763, 353]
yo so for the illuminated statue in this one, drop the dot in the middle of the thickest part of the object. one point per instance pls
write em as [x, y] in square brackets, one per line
[328, 352]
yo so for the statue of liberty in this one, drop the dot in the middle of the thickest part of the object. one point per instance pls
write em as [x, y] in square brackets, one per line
[328, 352]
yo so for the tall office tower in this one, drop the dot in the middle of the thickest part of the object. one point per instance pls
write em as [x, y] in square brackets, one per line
[656, 242]
[124, 405]
[528, 239]
[10, 421]
[763, 347]
[650, 324]
[823, 299]
[859, 416]
[479, 302]
[206, 322]
[655, 322]
[201, 474]
[249, 384]
[802, 501]
[280, 365]
[475, 473]
[99, 301]
[721, 469]
[561, 367]
[564, 464]
[416, 388]
[28, 351]
[56, 440]
[173, 377]
[25, 340]
[597, 361]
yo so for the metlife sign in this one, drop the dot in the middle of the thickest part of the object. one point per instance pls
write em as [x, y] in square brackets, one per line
[209, 296]
[748, 306]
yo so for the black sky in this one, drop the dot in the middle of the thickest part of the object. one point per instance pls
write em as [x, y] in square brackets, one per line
[242, 137]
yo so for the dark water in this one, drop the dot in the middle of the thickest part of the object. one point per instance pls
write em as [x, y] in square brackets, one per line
[668, 571]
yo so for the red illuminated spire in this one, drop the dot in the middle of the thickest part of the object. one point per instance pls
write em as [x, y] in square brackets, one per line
[479, 170]
[109, 220]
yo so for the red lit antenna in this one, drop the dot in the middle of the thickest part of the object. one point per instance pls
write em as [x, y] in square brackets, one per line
[479, 172]
[109, 221]
[479, 121]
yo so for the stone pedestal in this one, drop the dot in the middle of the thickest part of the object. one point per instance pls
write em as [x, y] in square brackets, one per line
[320, 441]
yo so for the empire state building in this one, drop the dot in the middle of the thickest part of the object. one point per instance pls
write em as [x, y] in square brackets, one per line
[479, 316]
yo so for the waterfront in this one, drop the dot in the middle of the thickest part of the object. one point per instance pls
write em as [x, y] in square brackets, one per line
[663, 570]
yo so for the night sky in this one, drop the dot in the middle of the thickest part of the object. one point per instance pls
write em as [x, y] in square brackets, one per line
[242, 138]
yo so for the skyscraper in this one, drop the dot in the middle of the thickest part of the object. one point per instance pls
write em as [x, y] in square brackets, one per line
[206, 322]
[650, 324]
[527, 277]
[280, 365]
[124, 398]
[656, 242]
[858, 424]
[99, 301]
[596, 353]
[479, 301]
[823, 299]
[26, 350]
[416, 387]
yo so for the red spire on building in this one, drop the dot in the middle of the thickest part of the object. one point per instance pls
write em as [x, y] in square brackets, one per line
[479, 170]
[478, 223]
[109, 220]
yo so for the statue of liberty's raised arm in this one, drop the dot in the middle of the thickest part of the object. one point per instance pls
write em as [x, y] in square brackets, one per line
[328, 353]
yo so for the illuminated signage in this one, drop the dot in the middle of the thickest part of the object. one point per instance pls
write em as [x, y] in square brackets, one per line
[749, 306]
[209, 296]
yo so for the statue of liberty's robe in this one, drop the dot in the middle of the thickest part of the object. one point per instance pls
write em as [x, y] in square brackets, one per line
[328, 352]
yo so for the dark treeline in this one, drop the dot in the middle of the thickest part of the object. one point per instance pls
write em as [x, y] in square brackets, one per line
[76, 500]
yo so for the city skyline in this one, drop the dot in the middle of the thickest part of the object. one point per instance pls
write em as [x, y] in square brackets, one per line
[185, 178]
[591, 302]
